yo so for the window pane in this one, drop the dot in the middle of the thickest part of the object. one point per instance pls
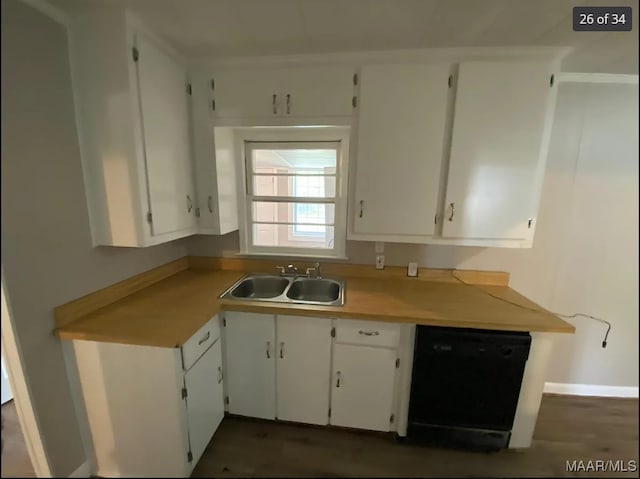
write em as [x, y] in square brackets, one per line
[294, 160]
[287, 236]
[286, 212]
[311, 186]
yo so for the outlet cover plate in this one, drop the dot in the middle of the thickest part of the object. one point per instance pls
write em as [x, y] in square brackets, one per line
[380, 261]
[412, 270]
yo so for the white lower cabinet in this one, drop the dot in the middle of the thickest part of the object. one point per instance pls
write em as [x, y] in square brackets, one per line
[304, 368]
[250, 364]
[363, 387]
[292, 365]
[279, 367]
[205, 401]
[147, 415]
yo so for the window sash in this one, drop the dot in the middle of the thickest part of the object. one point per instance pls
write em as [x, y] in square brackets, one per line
[337, 139]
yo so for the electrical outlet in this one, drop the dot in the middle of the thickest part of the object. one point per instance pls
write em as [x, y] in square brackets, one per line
[412, 270]
[380, 261]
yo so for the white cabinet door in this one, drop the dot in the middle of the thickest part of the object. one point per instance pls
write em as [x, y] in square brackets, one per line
[317, 91]
[402, 117]
[250, 364]
[204, 401]
[247, 94]
[165, 127]
[362, 389]
[304, 368]
[496, 162]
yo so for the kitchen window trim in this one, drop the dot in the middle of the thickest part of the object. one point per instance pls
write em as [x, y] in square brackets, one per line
[285, 136]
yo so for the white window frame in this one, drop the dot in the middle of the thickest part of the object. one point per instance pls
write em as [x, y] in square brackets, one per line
[309, 135]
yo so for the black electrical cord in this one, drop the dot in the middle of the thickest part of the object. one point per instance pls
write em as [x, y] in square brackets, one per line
[606, 335]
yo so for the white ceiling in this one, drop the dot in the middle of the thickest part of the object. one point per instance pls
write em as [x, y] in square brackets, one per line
[230, 28]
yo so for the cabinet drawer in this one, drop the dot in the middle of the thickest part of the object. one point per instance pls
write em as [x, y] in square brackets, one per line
[200, 342]
[370, 333]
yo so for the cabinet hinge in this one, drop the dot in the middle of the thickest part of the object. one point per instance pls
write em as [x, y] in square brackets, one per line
[450, 81]
[391, 419]
[197, 212]
[333, 332]
[551, 80]
[354, 101]
[213, 105]
[226, 399]
[397, 363]
[213, 84]
[135, 54]
[529, 223]
[184, 393]
[149, 217]
[189, 456]
[188, 88]
[355, 79]
[329, 412]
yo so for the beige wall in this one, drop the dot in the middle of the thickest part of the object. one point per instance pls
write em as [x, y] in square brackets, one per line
[47, 255]
[585, 254]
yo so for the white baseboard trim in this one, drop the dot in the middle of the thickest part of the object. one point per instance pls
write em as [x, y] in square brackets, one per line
[83, 471]
[591, 390]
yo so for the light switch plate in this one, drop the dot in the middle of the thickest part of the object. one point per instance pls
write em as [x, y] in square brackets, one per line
[412, 269]
[380, 261]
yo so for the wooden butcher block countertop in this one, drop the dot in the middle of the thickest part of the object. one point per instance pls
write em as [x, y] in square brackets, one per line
[169, 311]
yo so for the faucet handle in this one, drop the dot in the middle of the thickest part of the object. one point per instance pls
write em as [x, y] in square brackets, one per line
[282, 270]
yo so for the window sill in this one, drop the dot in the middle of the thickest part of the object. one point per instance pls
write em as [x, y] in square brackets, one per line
[289, 256]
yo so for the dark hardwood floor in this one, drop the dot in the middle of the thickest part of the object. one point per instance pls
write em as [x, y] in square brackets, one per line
[15, 458]
[569, 428]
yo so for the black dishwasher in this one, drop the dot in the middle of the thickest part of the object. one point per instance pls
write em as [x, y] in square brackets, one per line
[465, 386]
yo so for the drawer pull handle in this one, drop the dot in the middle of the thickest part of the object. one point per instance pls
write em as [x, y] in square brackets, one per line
[268, 349]
[369, 333]
[209, 204]
[204, 338]
[282, 350]
[219, 374]
[338, 376]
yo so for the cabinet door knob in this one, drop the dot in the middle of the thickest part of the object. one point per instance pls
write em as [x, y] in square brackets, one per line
[273, 102]
[268, 349]
[209, 204]
[189, 204]
[282, 350]
[288, 104]
[338, 378]
[453, 211]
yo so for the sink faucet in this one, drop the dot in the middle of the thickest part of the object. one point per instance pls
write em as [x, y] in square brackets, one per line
[291, 269]
[314, 272]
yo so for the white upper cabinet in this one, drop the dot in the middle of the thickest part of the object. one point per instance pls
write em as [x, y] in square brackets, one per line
[246, 94]
[215, 165]
[498, 151]
[133, 120]
[281, 95]
[317, 91]
[401, 130]
[163, 95]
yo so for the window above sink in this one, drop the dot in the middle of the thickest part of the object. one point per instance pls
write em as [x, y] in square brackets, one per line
[294, 197]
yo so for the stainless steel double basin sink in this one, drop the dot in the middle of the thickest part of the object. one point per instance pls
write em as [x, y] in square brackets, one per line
[287, 289]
